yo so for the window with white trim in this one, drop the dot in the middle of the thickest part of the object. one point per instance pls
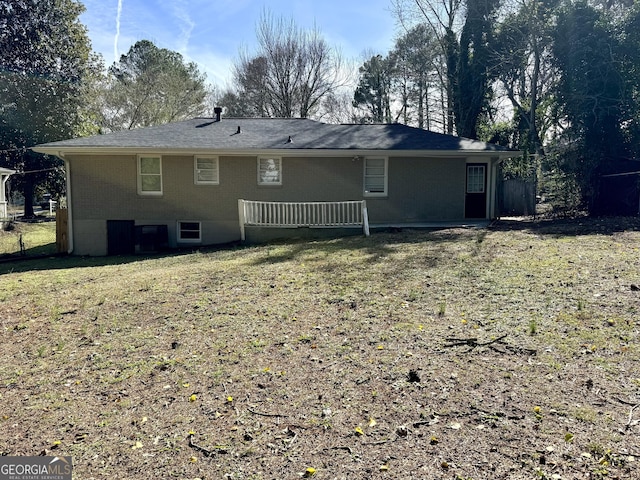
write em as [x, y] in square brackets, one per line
[269, 171]
[205, 171]
[189, 232]
[149, 175]
[475, 178]
[375, 177]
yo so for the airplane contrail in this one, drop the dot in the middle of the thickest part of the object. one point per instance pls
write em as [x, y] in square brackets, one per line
[117, 37]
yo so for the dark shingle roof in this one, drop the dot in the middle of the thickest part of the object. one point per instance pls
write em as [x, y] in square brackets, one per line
[273, 134]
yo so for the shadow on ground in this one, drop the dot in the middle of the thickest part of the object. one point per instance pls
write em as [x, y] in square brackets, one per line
[378, 245]
[563, 227]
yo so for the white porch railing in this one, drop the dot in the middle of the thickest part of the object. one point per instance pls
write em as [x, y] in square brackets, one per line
[3, 210]
[303, 214]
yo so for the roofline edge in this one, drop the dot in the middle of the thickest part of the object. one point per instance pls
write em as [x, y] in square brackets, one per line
[63, 152]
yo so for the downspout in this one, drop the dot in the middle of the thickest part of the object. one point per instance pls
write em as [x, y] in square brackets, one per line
[67, 167]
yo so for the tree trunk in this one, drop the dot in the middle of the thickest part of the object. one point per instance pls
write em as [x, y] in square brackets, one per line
[28, 190]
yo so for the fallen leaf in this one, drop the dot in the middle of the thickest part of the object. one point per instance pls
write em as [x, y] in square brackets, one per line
[193, 398]
[309, 472]
[359, 431]
[455, 426]
[384, 467]
[372, 422]
[137, 445]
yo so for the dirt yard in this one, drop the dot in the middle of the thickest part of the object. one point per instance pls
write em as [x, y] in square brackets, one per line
[506, 353]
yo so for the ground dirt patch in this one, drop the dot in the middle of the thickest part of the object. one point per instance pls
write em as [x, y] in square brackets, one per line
[506, 353]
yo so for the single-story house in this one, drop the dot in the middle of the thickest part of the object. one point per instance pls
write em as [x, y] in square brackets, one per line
[180, 184]
[5, 173]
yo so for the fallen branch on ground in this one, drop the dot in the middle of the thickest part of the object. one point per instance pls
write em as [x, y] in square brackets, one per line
[340, 447]
[262, 414]
[630, 422]
[473, 343]
[204, 451]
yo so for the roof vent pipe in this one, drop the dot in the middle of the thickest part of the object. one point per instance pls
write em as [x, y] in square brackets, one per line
[239, 130]
[218, 112]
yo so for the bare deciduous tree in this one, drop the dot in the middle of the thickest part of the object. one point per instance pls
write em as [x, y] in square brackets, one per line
[445, 20]
[291, 73]
[522, 64]
[463, 29]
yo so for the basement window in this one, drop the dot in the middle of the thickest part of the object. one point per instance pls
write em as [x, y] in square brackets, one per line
[189, 232]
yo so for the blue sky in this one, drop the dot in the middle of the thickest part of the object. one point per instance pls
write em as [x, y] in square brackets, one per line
[212, 32]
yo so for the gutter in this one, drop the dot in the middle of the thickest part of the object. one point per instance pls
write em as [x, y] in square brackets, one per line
[281, 152]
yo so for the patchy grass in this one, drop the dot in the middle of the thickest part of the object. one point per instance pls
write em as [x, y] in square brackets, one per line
[31, 239]
[460, 354]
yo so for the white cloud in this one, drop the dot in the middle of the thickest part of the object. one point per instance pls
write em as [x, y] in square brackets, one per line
[180, 11]
[116, 55]
[211, 33]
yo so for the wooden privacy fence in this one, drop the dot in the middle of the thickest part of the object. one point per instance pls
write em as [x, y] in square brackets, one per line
[303, 214]
[518, 197]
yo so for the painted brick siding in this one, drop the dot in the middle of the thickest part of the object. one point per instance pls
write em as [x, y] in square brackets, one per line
[421, 190]
[105, 188]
